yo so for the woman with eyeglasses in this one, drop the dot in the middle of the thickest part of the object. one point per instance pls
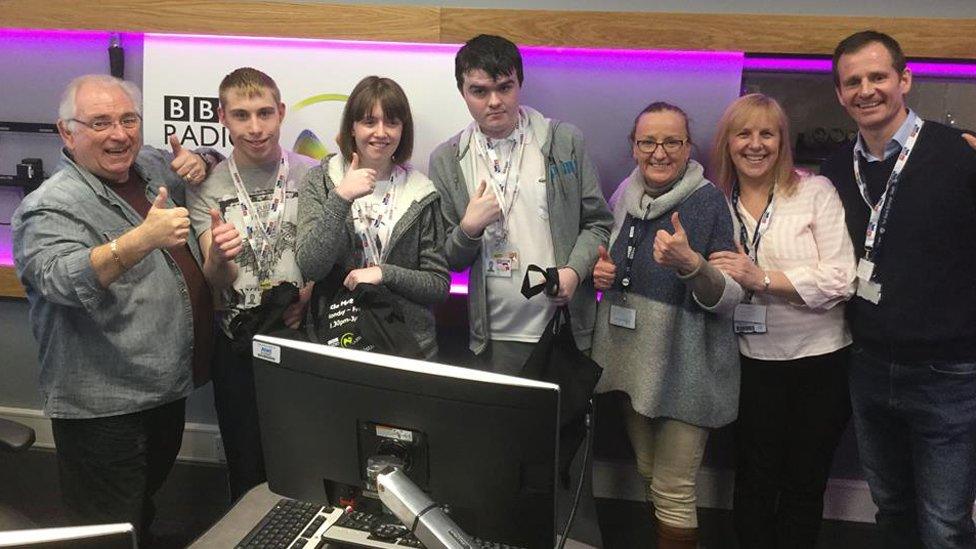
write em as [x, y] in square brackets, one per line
[796, 262]
[664, 330]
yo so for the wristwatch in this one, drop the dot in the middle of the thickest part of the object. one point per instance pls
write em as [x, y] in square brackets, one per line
[766, 281]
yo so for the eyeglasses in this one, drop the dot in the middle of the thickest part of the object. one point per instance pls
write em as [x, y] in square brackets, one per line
[129, 122]
[649, 146]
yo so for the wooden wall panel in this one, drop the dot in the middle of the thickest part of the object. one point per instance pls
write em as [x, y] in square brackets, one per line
[229, 17]
[9, 285]
[754, 33]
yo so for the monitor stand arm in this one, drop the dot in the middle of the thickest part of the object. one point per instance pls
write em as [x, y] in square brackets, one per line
[427, 520]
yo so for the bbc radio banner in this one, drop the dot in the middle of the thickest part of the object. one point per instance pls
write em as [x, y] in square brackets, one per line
[181, 75]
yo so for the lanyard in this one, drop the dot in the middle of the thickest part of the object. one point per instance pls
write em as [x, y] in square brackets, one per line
[634, 238]
[761, 227]
[265, 234]
[503, 183]
[879, 211]
[373, 219]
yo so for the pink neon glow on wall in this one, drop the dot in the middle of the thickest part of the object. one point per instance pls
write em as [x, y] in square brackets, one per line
[54, 39]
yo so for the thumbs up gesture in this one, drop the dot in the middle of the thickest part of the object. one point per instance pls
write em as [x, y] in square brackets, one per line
[225, 239]
[604, 272]
[673, 250]
[357, 181]
[482, 210]
[164, 227]
[188, 165]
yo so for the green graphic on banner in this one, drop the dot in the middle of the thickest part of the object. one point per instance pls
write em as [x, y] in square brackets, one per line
[307, 143]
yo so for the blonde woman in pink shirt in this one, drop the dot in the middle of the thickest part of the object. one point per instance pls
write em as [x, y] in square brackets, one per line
[796, 263]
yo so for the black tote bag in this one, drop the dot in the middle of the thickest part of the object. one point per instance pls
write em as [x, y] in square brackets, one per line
[557, 359]
[366, 318]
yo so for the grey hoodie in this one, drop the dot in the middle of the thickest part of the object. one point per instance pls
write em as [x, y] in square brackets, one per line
[578, 219]
[415, 269]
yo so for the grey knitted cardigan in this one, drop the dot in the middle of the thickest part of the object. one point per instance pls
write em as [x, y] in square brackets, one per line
[415, 269]
[682, 361]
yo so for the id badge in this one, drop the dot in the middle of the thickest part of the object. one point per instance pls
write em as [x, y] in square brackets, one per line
[624, 317]
[869, 290]
[498, 267]
[512, 256]
[865, 269]
[749, 318]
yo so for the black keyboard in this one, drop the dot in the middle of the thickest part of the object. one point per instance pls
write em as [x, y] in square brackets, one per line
[384, 531]
[292, 524]
[288, 525]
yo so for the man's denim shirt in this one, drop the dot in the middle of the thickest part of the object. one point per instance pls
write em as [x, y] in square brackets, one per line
[103, 351]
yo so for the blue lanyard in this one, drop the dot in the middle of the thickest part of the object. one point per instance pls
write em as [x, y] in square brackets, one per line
[634, 238]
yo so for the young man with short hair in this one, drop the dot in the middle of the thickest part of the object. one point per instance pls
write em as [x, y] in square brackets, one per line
[908, 186]
[245, 214]
[518, 189]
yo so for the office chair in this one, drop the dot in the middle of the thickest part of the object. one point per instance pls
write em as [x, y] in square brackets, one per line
[14, 437]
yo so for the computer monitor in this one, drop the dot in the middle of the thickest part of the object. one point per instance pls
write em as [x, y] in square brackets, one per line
[481, 443]
[99, 536]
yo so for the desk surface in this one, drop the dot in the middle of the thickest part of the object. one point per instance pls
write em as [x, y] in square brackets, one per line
[9, 285]
[250, 509]
[237, 522]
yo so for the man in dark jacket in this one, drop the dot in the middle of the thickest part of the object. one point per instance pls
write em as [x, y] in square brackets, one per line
[909, 188]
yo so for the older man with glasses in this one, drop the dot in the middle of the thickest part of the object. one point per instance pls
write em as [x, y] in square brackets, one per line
[118, 302]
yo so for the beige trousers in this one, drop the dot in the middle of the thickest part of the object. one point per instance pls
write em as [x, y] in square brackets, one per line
[669, 454]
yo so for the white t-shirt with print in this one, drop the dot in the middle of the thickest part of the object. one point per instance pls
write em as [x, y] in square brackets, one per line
[218, 191]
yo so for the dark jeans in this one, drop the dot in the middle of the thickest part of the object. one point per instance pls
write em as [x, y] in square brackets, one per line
[916, 434]
[110, 467]
[237, 415]
[791, 417]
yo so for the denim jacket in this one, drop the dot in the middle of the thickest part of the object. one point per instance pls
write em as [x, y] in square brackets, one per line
[103, 351]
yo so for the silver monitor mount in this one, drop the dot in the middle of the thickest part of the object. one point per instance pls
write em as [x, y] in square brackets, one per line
[425, 519]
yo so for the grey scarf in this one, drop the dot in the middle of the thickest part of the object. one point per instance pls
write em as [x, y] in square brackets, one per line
[636, 202]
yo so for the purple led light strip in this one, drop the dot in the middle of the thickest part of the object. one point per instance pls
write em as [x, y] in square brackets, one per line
[810, 65]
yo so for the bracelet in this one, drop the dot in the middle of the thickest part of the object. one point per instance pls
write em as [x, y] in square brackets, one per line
[209, 159]
[695, 271]
[114, 247]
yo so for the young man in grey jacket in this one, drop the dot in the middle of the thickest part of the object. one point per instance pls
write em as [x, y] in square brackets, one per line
[516, 189]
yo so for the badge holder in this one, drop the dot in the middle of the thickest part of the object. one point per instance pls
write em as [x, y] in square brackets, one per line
[749, 318]
[501, 260]
[623, 317]
[866, 288]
